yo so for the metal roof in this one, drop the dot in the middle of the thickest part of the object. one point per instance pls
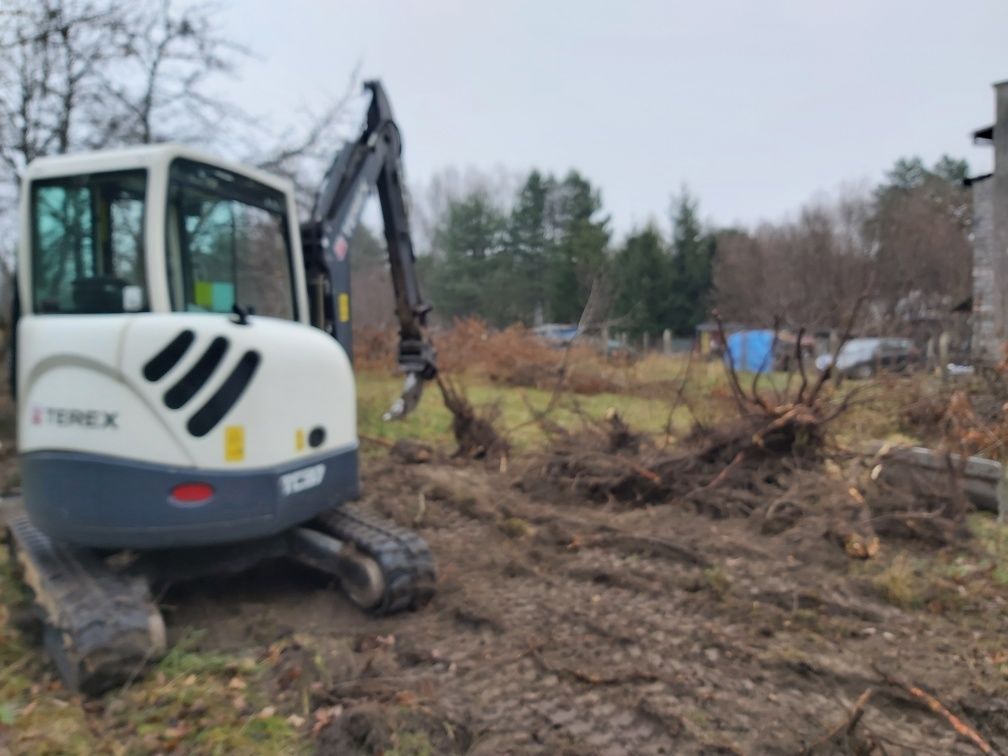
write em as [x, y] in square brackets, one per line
[986, 134]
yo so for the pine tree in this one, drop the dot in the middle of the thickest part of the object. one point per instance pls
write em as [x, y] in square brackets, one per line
[643, 275]
[467, 241]
[692, 262]
[525, 256]
[578, 252]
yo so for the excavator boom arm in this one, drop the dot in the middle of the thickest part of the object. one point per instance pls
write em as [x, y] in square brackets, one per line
[371, 161]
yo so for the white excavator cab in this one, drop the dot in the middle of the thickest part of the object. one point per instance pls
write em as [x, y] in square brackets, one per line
[158, 229]
[169, 384]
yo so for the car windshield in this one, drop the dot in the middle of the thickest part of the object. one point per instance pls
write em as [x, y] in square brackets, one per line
[87, 243]
[227, 243]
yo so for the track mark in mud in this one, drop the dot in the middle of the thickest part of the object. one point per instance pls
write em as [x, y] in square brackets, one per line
[614, 676]
[793, 601]
[590, 636]
[478, 618]
[635, 543]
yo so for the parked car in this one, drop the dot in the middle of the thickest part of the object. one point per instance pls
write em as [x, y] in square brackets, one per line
[560, 335]
[557, 334]
[861, 358]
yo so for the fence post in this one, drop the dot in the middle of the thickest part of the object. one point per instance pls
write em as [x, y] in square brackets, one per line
[943, 354]
[834, 344]
[646, 341]
[666, 340]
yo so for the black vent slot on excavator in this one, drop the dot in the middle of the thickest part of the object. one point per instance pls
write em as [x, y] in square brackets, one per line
[198, 374]
[162, 362]
[218, 405]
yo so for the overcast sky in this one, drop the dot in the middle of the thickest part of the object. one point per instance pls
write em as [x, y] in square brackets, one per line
[757, 106]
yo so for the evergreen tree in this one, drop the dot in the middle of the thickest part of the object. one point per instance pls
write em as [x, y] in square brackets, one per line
[692, 263]
[906, 173]
[578, 252]
[643, 275]
[520, 274]
[953, 170]
[466, 242]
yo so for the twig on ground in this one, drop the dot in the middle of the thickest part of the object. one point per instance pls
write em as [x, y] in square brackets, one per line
[940, 709]
[720, 476]
[376, 441]
[610, 536]
[846, 727]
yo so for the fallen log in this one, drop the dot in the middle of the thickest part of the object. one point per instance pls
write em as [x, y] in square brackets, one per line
[981, 479]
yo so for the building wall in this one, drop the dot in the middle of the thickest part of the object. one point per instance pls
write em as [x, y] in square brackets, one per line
[990, 242]
[988, 326]
[999, 213]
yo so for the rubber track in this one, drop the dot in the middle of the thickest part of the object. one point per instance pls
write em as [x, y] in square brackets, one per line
[101, 626]
[404, 557]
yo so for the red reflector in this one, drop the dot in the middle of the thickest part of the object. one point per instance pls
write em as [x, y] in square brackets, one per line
[192, 493]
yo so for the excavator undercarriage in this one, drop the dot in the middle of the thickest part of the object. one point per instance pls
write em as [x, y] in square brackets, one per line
[100, 621]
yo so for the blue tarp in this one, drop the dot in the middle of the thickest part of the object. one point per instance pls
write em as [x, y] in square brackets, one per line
[751, 351]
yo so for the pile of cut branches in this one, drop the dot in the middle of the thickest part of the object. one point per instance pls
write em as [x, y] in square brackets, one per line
[773, 459]
[732, 466]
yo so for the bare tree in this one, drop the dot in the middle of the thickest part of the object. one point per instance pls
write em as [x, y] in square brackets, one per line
[89, 74]
[167, 56]
[811, 269]
[923, 255]
[304, 147]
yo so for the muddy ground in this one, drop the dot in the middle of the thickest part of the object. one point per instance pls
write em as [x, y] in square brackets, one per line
[563, 626]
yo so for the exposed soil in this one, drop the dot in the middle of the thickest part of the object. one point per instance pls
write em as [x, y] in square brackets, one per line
[564, 625]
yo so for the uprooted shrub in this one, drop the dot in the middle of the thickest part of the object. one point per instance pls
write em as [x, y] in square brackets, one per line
[774, 459]
[740, 457]
[473, 429]
[606, 461]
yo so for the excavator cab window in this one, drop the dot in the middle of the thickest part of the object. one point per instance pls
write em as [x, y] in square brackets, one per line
[88, 243]
[228, 243]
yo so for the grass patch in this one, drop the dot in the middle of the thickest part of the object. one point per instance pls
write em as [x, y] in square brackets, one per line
[193, 701]
[411, 744]
[648, 389]
[431, 421]
[185, 659]
[717, 580]
[899, 583]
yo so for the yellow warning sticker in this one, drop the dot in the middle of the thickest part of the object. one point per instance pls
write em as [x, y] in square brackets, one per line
[299, 440]
[344, 308]
[234, 443]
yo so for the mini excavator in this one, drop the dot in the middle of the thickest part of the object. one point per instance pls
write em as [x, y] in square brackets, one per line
[185, 396]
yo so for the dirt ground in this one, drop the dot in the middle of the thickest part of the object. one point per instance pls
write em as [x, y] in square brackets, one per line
[572, 624]
[562, 626]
